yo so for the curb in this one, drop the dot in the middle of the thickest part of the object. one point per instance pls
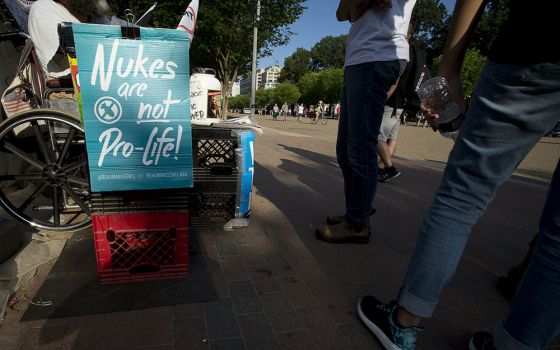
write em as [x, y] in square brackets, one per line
[11, 239]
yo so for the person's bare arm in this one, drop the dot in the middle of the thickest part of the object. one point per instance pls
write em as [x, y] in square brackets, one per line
[351, 10]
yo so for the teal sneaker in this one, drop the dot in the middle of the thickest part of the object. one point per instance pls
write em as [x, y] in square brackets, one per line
[379, 318]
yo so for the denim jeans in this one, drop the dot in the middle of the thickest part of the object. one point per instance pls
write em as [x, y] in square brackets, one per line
[512, 107]
[361, 110]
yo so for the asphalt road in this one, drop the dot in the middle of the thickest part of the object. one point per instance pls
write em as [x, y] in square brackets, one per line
[423, 144]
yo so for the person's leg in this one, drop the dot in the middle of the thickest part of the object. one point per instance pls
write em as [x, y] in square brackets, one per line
[366, 90]
[389, 132]
[494, 138]
[342, 145]
[384, 131]
[534, 316]
[384, 153]
[392, 145]
[394, 132]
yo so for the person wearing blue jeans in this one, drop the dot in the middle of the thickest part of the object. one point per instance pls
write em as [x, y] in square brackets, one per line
[515, 103]
[376, 54]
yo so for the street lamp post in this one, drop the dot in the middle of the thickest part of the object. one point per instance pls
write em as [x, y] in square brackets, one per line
[254, 70]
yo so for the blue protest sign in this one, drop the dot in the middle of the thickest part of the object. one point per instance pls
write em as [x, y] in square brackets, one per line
[136, 107]
[247, 141]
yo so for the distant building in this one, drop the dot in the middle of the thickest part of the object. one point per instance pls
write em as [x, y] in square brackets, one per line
[235, 89]
[245, 86]
[267, 78]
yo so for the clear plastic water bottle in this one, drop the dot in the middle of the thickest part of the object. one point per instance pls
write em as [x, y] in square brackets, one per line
[436, 95]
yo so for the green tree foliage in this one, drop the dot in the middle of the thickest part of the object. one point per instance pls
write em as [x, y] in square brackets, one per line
[331, 81]
[325, 85]
[285, 92]
[167, 14]
[310, 88]
[263, 97]
[239, 101]
[429, 27]
[224, 32]
[295, 66]
[495, 14]
[470, 71]
[328, 53]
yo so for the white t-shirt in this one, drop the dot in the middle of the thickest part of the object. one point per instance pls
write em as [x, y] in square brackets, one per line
[44, 17]
[380, 35]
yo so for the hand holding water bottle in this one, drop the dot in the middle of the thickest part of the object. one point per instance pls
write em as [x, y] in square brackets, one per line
[440, 107]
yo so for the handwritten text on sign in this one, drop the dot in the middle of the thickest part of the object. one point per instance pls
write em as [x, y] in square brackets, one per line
[136, 107]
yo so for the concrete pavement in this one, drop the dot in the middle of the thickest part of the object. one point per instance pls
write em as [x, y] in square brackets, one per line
[279, 287]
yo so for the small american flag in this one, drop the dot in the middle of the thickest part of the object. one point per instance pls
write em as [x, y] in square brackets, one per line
[15, 101]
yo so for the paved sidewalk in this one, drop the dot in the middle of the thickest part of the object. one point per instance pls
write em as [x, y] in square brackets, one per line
[273, 294]
[280, 288]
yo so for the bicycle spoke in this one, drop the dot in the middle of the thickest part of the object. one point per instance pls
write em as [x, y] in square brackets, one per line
[56, 208]
[66, 146]
[30, 199]
[18, 152]
[41, 142]
[78, 180]
[76, 198]
[75, 166]
[29, 177]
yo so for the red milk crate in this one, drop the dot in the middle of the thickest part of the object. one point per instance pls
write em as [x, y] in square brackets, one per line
[143, 246]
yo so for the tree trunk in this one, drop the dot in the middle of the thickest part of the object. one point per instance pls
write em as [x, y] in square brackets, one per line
[228, 82]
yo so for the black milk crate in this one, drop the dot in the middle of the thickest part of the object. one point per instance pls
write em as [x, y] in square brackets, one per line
[214, 150]
[211, 204]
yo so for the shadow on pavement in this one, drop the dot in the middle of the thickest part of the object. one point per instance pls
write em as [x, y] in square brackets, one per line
[306, 186]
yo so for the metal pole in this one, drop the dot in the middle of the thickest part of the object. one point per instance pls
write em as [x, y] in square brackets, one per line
[254, 70]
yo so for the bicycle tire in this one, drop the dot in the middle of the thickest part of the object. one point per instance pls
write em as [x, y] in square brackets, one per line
[35, 118]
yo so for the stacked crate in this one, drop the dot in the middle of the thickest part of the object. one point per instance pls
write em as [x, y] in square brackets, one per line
[216, 194]
[141, 246]
[215, 199]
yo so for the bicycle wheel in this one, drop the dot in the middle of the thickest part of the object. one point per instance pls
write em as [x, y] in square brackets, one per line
[47, 183]
[324, 120]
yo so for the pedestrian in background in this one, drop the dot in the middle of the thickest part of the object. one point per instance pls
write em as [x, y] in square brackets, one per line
[376, 54]
[285, 110]
[319, 110]
[275, 111]
[404, 98]
[301, 111]
[515, 103]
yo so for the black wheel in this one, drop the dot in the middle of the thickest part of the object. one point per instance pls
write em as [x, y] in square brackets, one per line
[324, 120]
[47, 183]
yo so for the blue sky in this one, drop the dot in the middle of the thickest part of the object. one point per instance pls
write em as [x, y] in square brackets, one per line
[316, 22]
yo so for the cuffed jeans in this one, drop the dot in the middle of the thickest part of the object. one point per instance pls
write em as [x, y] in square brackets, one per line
[512, 108]
[363, 101]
